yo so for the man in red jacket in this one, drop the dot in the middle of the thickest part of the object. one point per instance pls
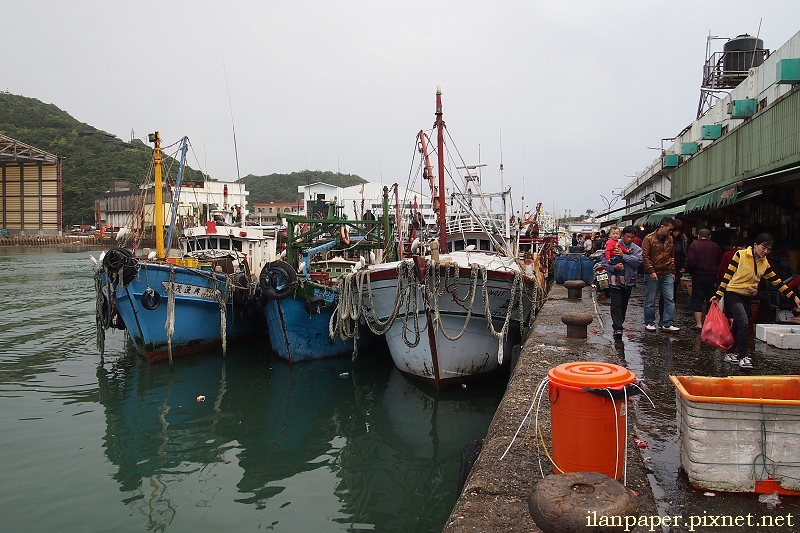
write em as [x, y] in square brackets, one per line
[702, 259]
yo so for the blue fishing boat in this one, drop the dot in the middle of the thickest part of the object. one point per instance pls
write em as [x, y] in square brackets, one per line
[302, 291]
[203, 298]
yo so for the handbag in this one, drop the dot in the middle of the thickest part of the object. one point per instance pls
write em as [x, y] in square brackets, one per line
[716, 330]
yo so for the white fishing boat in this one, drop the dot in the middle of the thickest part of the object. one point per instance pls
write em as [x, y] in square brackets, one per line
[454, 315]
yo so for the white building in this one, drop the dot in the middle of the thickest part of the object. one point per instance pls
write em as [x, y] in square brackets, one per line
[356, 200]
[196, 204]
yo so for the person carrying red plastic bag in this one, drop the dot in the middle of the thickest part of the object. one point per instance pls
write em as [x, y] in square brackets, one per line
[739, 286]
[716, 331]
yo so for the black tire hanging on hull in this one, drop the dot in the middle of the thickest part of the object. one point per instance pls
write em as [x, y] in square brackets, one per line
[278, 280]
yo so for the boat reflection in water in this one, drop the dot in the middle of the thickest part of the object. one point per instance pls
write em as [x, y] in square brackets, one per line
[324, 446]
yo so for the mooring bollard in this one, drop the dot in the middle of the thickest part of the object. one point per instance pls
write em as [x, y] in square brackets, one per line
[577, 501]
[576, 324]
[574, 288]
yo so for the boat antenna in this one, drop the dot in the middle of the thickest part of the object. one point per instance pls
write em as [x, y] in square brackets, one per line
[523, 177]
[380, 166]
[233, 128]
[230, 106]
[753, 62]
[506, 219]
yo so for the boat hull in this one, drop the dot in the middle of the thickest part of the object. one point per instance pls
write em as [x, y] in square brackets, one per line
[197, 318]
[430, 355]
[296, 335]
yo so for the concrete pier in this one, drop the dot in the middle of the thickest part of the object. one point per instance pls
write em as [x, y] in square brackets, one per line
[495, 496]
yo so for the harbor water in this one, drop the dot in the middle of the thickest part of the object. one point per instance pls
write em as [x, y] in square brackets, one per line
[242, 442]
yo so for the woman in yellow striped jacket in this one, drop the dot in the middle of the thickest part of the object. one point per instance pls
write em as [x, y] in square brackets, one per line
[739, 286]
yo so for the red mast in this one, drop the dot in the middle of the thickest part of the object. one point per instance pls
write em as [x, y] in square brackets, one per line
[440, 149]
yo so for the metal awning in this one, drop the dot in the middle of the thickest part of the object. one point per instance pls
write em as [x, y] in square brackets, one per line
[713, 200]
[12, 150]
[653, 219]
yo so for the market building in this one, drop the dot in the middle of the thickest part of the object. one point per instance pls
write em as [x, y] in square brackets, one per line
[736, 168]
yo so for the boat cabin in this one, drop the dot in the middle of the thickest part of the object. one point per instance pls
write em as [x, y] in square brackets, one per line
[257, 246]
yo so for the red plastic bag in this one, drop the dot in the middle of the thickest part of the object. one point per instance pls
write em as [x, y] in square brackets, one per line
[716, 330]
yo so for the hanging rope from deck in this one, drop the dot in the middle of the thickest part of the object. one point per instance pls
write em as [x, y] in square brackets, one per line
[170, 323]
[357, 305]
[223, 315]
[102, 318]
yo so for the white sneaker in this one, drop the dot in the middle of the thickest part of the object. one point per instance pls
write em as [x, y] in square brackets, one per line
[731, 358]
[671, 329]
[650, 327]
[745, 362]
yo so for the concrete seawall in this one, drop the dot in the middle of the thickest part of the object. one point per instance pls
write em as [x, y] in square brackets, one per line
[495, 496]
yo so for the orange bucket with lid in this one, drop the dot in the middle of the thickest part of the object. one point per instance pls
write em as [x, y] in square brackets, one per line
[588, 428]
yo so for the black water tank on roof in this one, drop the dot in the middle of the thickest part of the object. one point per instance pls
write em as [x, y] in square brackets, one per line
[741, 54]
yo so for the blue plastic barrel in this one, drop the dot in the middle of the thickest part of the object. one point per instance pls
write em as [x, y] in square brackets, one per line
[587, 270]
[561, 268]
[573, 270]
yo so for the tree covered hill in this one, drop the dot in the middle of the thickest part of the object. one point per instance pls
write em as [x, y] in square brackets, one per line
[283, 187]
[93, 158]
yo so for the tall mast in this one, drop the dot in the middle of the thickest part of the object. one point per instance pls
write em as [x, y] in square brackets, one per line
[158, 194]
[440, 150]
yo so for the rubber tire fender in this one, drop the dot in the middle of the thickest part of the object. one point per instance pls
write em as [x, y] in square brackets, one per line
[117, 258]
[151, 299]
[314, 305]
[268, 280]
[241, 292]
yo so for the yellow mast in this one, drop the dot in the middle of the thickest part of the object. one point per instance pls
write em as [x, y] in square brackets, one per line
[158, 195]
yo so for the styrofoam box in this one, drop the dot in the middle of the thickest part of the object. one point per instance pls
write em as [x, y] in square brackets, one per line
[785, 336]
[788, 340]
[761, 329]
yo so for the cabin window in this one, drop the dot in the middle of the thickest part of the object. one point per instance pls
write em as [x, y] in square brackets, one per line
[328, 270]
[190, 246]
[472, 242]
[237, 245]
[213, 243]
[485, 244]
[201, 244]
[458, 245]
[338, 269]
[224, 244]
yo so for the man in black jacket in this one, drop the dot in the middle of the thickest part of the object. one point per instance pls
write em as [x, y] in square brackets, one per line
[702, 261]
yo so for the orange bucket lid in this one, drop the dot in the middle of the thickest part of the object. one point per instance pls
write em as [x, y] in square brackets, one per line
[589, 374]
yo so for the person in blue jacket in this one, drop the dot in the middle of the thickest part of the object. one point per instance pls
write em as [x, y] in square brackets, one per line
[629, 266]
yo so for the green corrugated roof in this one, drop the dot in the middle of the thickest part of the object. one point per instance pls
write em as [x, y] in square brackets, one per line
[655, 218]
[713, 200]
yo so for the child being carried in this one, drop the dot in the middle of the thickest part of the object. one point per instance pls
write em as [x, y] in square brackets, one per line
[614, 251]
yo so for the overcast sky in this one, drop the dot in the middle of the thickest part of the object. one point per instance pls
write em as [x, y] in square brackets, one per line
[579, 89]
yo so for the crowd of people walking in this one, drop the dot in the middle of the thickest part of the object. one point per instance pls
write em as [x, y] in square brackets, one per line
[729, 280]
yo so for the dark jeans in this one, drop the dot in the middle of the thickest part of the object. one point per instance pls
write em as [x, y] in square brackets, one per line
[703, 288]
[619, 305]
[737, 307]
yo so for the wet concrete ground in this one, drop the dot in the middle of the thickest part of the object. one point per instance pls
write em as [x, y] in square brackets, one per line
[495, 495]
[653, 356]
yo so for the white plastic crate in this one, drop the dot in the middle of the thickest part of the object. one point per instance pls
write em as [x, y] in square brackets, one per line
[739, 434]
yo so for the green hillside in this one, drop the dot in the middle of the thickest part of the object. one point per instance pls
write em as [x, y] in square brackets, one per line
[283, 187]
[92, 158]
